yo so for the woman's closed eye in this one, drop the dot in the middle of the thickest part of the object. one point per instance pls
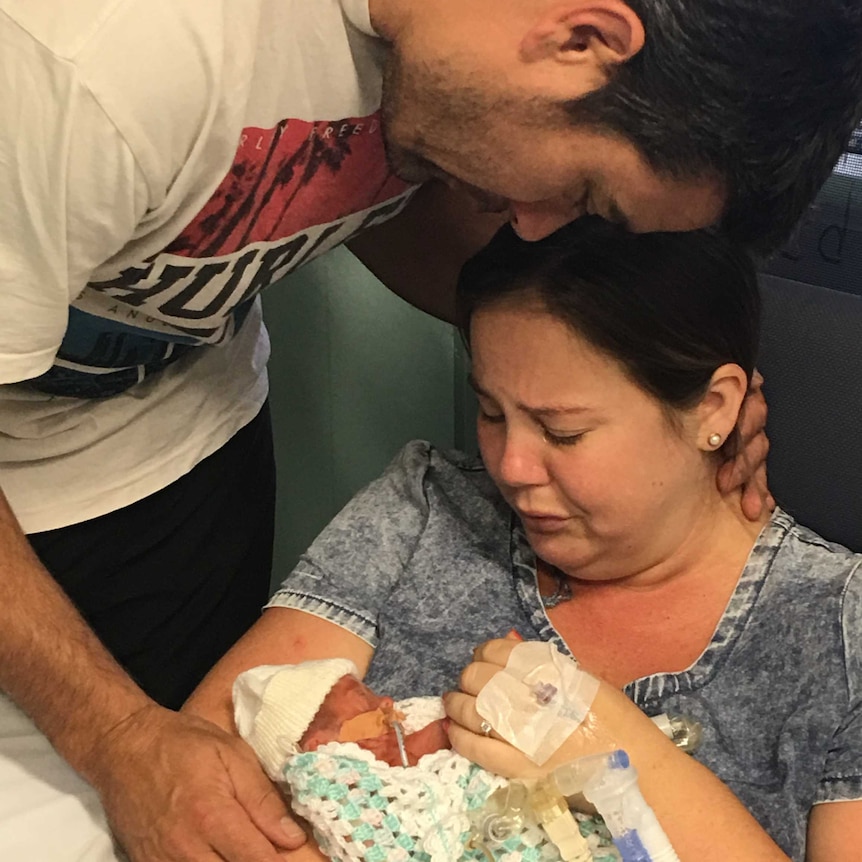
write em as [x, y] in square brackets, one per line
[493, 419]
[553, 436]
[561, 438]
[489, 413]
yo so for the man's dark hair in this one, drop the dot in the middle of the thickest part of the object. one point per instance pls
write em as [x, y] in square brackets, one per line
[761, 93]
[670, 308]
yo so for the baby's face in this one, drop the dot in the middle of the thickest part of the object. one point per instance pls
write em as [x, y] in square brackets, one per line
[348, 698]
[353, 712]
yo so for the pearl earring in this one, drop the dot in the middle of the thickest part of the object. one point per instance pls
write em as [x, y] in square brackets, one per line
[714, 440]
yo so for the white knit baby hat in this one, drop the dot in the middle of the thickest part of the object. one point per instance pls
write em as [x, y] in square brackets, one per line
[274, 705]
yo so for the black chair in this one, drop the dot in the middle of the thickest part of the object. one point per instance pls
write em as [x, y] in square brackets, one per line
[811, 360]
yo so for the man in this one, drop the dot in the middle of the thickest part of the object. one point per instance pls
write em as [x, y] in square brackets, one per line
[163, 160]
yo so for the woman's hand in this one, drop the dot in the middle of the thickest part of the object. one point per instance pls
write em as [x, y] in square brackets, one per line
[748, 469]
[703, 820]
[612, 720]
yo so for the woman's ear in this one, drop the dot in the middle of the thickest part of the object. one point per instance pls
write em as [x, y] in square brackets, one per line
[595, 33]
[719, 408]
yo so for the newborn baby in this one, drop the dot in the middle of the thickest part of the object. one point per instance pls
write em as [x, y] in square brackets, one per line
[332, 743]
[284, 710]
[352, 712]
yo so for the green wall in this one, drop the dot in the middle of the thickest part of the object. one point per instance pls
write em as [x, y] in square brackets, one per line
[355, 373]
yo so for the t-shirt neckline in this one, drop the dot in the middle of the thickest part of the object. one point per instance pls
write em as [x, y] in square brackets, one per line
[728, 630]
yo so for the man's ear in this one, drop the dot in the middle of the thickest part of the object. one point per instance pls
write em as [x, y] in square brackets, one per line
[718, 411]
[600, 32]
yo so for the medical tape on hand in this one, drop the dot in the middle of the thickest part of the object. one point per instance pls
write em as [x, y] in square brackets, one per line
[538, 700]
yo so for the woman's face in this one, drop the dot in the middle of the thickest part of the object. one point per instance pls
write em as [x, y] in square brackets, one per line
[604, 485]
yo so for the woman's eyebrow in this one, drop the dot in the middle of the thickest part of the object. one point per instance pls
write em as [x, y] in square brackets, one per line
[543, 411]
[555, 409]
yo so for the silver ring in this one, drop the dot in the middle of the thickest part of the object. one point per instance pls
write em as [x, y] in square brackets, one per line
[485, 727]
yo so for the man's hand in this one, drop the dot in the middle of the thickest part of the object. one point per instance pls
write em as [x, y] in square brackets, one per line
[748, 469]
[177, 788]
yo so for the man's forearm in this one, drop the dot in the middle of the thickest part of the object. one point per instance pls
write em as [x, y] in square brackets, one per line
[51, 663]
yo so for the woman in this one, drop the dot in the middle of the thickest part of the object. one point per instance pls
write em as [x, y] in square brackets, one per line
[610, 369]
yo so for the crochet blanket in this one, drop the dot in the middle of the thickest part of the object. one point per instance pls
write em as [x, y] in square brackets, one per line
[363, 810]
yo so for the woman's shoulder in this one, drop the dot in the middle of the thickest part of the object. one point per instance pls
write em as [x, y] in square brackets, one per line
[806, 551]
[806, 571]
[422, 454]
[450, 470]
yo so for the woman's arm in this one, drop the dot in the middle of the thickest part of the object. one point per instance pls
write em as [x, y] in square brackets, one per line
[353, 563]
[280, 636]
[835, 832]
[703, 819]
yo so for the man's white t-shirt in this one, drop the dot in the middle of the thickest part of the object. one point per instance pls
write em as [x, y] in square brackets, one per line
[161, 161]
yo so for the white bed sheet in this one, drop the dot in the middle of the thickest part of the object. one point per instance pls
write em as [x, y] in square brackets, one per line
[47, 812]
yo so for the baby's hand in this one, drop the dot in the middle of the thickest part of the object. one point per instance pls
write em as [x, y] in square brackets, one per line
[384, 747]
[431, 738]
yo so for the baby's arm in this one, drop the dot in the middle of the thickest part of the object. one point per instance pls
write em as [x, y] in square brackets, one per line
[431, 738]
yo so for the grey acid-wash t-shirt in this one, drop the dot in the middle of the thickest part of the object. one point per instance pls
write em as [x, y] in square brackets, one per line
[429, 561]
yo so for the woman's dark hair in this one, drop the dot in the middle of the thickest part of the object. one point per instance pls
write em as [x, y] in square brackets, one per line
[669, 307]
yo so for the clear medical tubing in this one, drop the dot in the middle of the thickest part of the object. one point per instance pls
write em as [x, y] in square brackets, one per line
[552, 812]
[684, 732]
[609, 782]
